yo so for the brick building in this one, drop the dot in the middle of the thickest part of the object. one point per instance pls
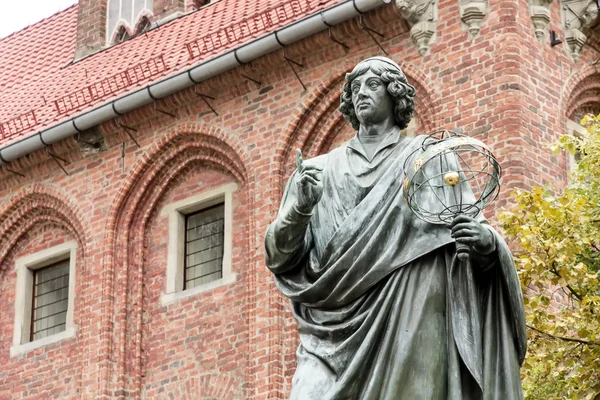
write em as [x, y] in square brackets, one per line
[144, 148]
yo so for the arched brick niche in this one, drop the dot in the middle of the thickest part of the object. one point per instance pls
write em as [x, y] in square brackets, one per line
[212, 320]
[318, 126]
[32, 221]
[581, 94]
[189, 160]
[584, 98]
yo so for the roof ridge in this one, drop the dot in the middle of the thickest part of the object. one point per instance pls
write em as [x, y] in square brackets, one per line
[40, 22]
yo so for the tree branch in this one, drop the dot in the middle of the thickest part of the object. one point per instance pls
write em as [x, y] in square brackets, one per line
[566, 339]
[573, 292]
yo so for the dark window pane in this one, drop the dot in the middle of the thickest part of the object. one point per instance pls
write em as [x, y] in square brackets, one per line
[204, 236]
[50, 300]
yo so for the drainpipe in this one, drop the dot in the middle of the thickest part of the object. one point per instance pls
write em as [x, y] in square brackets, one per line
[205, 70]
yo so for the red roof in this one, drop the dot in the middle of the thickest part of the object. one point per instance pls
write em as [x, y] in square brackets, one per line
[40, 87]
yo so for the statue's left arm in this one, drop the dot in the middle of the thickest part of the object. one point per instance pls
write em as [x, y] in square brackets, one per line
[479, 236]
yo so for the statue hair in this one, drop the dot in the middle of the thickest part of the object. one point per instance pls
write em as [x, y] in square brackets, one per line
[397, 86]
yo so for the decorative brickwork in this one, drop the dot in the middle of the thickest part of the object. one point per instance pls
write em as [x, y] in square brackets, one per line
[586, 92]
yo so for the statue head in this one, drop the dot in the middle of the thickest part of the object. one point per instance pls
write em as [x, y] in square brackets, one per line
[401, 92]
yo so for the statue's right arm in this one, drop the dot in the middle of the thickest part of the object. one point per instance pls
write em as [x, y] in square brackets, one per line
[288, 239]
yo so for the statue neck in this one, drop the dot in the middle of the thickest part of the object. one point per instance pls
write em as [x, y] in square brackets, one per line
[371, 140]
[379, 129]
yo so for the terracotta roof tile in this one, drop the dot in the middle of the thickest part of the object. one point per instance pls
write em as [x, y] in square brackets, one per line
[36, 69]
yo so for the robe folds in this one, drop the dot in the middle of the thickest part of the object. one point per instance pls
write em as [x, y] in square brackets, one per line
[385, 310]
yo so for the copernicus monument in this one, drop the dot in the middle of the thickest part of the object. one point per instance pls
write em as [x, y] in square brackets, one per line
[385, 309]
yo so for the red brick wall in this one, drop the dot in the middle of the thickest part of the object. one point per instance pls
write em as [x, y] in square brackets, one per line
[91, 26]
[238, 341]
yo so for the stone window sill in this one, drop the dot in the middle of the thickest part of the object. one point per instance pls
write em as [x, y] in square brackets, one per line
[22, 349]
[170, 298]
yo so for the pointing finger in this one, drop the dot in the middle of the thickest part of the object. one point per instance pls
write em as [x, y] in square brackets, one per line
[299, 161]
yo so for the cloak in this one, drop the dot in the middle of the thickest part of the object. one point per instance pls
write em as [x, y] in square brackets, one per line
[385, 309]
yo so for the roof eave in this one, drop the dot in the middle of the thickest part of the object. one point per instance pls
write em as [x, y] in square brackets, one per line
[202, 71]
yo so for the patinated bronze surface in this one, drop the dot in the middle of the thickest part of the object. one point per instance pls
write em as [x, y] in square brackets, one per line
[384, 308]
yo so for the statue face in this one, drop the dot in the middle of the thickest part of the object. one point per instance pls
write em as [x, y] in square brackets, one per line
[372, 102]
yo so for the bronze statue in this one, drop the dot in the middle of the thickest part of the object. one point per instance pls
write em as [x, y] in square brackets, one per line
[385, 310]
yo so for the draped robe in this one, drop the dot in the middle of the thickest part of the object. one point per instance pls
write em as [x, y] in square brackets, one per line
[385, 309]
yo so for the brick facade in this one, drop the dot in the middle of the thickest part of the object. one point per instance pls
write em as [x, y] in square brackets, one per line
[238, 341]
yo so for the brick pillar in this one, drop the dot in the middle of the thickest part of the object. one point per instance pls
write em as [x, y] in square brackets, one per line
[91, 27]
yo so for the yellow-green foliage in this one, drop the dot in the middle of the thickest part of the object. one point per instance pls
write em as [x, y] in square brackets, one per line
[558, 255]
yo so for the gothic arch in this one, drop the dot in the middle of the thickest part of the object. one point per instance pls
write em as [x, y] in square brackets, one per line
[186, 146]
[317, 120]
[581, 90]
[585, 94]
[37, 205]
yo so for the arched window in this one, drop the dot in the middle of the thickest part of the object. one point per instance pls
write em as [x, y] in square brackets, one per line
[142, 26]
[128, 13]
[122, 35]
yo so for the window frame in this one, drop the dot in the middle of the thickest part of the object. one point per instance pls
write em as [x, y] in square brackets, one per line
[187, 216]
[35, 285]
[25, 267]
[176, 215]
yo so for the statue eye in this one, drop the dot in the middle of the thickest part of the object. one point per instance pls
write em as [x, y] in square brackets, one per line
[355, 89]
[373, 85]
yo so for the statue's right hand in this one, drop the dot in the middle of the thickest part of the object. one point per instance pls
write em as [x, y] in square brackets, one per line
[309, 184]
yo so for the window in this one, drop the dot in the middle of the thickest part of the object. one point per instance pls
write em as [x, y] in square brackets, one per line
[126, 13]
[50, 300]
[204, 236]
[44, 298]
[142, 26]
[199, 243]
[122, 35]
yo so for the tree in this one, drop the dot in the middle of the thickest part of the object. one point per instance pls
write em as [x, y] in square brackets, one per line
[557, 238]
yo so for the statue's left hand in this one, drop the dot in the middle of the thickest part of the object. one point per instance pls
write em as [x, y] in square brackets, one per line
[470, 231]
